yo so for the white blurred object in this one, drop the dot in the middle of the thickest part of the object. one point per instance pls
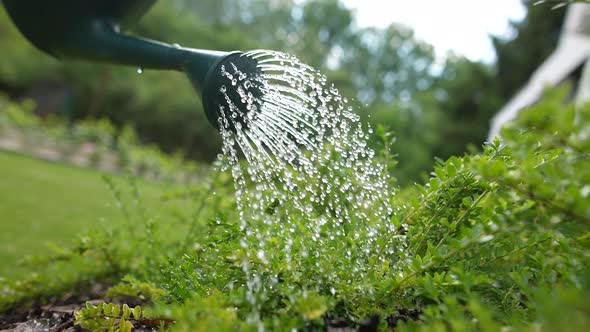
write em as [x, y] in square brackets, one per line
[573, 52]
[583, 93]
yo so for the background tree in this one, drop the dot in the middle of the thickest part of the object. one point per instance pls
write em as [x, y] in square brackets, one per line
[437, 107]
[535, 37]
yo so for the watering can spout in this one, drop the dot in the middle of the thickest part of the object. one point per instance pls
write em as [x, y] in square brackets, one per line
[90, 30]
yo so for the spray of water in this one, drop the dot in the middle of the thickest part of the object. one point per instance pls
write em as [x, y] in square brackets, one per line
[308, 190]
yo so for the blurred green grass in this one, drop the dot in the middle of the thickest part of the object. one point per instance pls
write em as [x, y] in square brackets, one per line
[43, 202]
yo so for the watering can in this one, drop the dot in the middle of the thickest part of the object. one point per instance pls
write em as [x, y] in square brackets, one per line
[91, 30]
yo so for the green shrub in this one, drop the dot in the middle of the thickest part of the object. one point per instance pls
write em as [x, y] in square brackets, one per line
[492, 241]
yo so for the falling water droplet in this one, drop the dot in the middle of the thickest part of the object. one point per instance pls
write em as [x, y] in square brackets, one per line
[303, 145]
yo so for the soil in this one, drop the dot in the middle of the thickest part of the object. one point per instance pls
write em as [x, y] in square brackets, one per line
[48, 318]
[55, 318]
[54, 314]
[371, 324]
[403, 315]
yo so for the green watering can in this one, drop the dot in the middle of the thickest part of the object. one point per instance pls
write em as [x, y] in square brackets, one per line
[91, 30]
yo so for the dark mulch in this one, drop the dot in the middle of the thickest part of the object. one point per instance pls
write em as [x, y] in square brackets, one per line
[57, 314]
[371, 324]
[54, 314]
[403, 315]
[50, 317]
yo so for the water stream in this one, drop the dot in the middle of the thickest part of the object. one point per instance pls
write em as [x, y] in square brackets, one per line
[309, 192]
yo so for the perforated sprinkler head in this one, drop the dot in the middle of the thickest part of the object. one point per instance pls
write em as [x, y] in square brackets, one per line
[232, 91]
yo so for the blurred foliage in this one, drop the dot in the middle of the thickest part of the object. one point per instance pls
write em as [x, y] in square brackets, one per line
[97, 142]
[436, 109]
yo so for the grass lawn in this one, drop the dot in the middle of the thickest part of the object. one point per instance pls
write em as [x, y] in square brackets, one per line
[43, 202]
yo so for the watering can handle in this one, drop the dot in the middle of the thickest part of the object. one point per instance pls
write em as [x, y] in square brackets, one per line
[89, 29]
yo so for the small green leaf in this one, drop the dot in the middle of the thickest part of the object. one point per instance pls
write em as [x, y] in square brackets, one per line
[137, 312]
[108, 309]
[116, 310]
[128, 326]
[89, 305]
[467, 201]
[434, 183]
[271, 209]
[122, 326]
[126, 312]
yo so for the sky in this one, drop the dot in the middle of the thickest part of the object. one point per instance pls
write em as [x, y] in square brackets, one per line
[462, 26]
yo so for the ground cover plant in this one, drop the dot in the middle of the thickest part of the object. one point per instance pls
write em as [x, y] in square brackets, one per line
[494, 240]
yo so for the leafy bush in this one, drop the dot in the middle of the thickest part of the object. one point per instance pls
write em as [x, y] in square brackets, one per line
[92, 139]
[492, 241]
